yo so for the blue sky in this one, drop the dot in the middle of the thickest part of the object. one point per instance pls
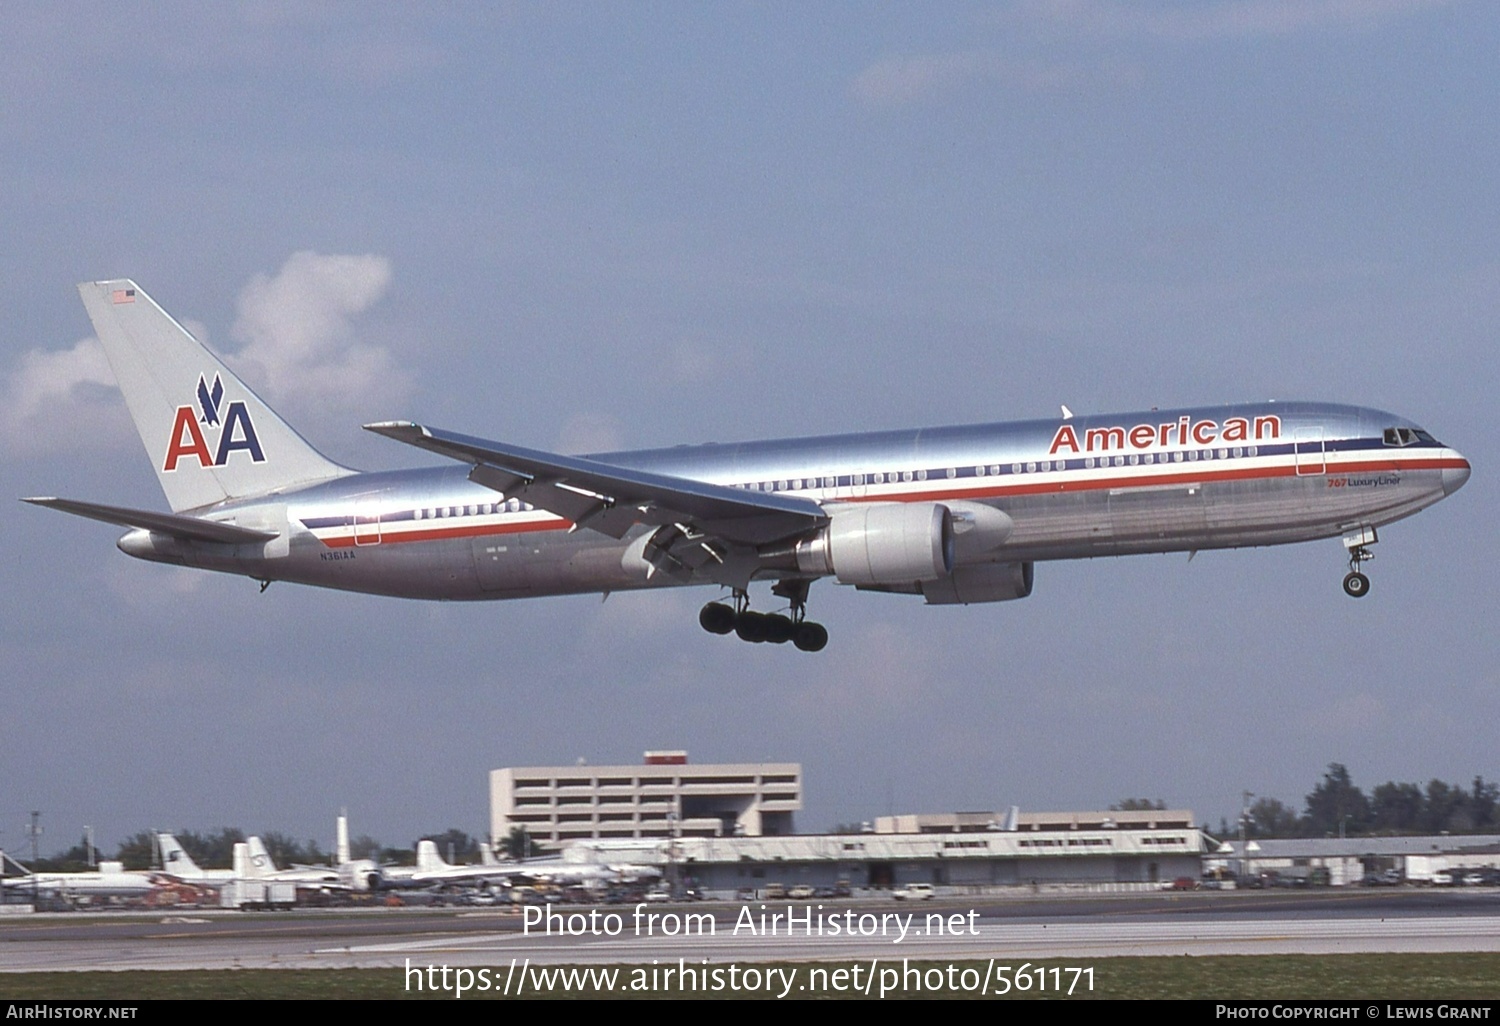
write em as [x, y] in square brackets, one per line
[595, 225]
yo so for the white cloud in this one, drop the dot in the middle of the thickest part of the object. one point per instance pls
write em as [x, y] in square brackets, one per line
[904, 79]
[298, 347]
[1225, 20]
[591, 432]
[297, 334]
[895, 80]
[908, 79]
[59, 398]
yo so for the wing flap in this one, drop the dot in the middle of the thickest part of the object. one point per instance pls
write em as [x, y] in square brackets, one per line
[174, 524]
[610, 498]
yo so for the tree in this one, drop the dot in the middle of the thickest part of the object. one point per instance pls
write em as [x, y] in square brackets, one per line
[213, 850]
[1137, 805]
[1396, 807]
[1270, 817]
[1447, 808]
[138, 851]
[396, 857]
[454, 845]
[1484, 803]
[364, 847]
[1336, 806]
[286, 851]
[518, 844]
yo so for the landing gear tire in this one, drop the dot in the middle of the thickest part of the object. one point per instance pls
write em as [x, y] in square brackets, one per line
[752, 627]
[810, 637]
[780, 629]
[716, 618]
[1356, 584]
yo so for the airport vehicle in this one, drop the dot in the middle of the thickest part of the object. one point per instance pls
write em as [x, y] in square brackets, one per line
[914, 892]
[257, 895]
[950, 514]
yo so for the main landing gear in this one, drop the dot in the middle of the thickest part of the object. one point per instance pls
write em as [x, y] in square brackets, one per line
[719, 618]
[1356, 584]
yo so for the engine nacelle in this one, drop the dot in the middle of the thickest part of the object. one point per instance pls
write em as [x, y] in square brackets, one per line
[882, 544]
[986, 582]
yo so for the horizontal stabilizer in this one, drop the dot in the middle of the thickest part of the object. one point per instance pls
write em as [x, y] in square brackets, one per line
[612, 499]
[174, 524]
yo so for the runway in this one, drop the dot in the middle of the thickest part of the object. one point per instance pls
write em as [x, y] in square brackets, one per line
[1016, 930]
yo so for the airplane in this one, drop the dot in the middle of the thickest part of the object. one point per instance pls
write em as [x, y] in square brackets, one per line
[434, 870]
[257, 864]
[950, 514]
[111, 879]
[176, 861]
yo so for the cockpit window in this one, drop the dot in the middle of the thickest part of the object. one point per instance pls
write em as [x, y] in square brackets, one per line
[1402, 436]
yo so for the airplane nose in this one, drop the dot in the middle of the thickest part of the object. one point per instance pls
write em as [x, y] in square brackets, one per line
[1455, 477]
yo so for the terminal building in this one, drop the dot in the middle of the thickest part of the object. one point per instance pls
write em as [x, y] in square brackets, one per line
[664, 797]
[728, 829]
[1055, 852]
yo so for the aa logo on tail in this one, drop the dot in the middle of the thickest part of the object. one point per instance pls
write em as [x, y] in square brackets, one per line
[236, 433]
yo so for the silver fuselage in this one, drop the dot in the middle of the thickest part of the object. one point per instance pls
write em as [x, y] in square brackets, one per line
[1155, 481]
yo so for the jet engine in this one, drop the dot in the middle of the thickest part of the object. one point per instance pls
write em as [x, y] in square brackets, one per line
[986, 582]
[877, 544]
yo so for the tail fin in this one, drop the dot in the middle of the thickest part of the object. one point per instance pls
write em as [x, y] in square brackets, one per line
[259, 858]
[175, 860]
[428, 858]
[209, 436]
[341, 839]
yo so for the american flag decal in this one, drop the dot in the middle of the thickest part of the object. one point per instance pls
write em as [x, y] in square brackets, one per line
[123, 295]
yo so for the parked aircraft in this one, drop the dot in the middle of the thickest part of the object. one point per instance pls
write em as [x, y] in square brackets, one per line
[176, 861]
[951, 514]
[433, 870]
[111, 879]
[259, 865]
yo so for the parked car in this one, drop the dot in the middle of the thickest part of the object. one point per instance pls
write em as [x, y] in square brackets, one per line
[914, 892]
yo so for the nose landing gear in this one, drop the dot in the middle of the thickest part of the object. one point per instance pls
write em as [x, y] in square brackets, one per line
[1356, 584]
[748, 625]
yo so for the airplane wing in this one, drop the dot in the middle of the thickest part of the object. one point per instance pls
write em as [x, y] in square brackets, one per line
[175, 524]
[613, 499]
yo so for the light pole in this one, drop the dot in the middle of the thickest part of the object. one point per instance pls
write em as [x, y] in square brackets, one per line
[35, 829]
[1245, 797]
[675, 819]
